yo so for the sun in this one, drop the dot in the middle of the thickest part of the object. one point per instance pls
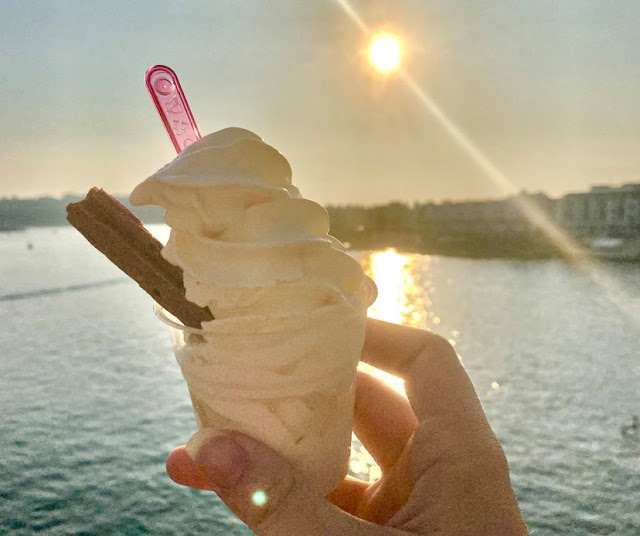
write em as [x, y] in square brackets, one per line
[384, 52]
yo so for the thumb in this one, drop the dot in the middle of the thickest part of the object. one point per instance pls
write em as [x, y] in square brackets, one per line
[264, 490]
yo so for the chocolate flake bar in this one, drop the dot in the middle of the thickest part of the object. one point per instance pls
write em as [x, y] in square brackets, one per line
[117, 233]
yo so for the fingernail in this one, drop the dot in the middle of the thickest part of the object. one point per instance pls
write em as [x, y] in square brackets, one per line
[222, 461]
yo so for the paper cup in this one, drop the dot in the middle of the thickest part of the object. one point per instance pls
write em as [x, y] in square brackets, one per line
[287, 381]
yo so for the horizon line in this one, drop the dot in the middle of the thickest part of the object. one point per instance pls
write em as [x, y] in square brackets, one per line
[506, 196]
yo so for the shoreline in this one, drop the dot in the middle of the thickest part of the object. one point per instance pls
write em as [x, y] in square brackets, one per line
[478, 247]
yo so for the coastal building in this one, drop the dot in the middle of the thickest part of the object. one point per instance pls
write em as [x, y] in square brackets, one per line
[604, 221]
[517, 214]
[603, 212]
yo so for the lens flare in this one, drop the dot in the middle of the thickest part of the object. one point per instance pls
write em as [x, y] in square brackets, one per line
[259, 498]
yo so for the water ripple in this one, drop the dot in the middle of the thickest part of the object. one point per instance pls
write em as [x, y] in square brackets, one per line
[93, 400]
[61, 290]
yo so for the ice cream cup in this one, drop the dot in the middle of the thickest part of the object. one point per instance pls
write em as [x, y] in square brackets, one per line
[287, 381]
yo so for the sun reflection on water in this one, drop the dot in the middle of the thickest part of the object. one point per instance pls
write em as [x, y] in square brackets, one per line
[403, 298]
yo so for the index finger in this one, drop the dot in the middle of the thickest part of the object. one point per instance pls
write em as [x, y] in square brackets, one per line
[435, 380]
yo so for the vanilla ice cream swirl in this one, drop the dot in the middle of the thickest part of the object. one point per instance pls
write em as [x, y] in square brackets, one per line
[248, 243]
[278, 362]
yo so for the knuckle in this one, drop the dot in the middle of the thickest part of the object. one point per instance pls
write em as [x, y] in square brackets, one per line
[435, 350]
[471, 452]
[497, 455]
[486, 454]
[439, 347]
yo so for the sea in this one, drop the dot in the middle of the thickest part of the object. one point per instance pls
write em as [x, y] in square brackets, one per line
[92, 401]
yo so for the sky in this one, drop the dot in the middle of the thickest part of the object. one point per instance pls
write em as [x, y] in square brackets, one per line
[547, 92]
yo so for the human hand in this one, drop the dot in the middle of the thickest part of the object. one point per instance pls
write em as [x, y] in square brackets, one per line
[443, 470]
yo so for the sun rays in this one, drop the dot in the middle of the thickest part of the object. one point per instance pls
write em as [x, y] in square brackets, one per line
[563, 241]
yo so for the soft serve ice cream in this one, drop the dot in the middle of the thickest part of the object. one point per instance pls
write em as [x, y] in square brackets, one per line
[279, 360]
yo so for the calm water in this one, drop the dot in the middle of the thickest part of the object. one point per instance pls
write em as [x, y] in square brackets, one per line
[92, 400]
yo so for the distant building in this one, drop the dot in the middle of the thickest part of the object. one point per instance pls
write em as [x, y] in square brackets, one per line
[604, 221]
[602, 212]
[503, 216]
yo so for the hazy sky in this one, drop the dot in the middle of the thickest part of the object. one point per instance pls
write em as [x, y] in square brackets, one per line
[549, 90]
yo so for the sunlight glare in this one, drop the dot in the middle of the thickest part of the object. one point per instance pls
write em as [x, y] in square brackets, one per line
[401, 296]
[563, 241]
[387, 270]
[384, 52]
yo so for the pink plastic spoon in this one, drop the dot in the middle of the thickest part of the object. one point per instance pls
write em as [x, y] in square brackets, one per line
[166, 92]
